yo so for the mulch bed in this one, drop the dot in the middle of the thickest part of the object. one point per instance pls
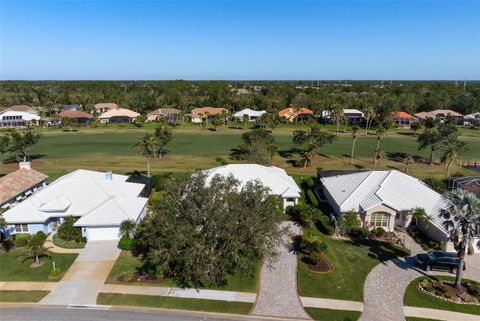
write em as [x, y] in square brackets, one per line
[144, 278]
[322, 267]
[453, 294]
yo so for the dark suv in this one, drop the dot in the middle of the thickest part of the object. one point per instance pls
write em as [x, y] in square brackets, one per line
[438, 260]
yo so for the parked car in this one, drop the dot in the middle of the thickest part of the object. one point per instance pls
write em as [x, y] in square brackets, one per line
[438, 260]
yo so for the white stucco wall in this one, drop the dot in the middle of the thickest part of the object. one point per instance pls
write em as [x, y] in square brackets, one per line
[384, 209]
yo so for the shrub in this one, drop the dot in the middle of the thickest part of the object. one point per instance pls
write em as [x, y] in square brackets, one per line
[21, 240]
[359, 232]
[378, 231]
[439, 287]
[68, 232]
[125, 243]
[313, 258]
[473, 288]
[347, 222]
[304, 214]
[41, 235]
[55, 273]
[310, 182]
[312, 198]
[324, 225]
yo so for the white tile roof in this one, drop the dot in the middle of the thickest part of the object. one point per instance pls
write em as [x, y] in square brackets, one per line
[85, 194]
[364, 190]
[276, 179]
[25, 115]
[249, 112]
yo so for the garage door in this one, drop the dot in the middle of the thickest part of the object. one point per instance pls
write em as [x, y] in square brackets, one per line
[103, 233]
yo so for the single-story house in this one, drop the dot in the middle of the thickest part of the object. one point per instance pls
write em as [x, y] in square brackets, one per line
[169, 114]
[18, 119]
[20, 184]
[82, 118]
[384, 199]
[24, 108]
[293, 114]
[439, 113]
[99, 201]
[403, 119]
[276, 179]
[118, 116]
[200, 114]
[471, 120]
[252, 115]
[353, 116]
[104, 107]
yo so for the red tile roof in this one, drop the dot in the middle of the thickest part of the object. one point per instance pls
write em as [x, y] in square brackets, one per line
[18, 182]
[402, 114]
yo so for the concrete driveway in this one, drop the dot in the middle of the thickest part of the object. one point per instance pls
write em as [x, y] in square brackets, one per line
[84, 280]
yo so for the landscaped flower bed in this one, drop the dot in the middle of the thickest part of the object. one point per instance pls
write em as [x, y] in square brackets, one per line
[469, 293]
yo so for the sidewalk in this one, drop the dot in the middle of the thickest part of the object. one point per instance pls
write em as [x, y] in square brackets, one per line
[28, 286]
[55, 249]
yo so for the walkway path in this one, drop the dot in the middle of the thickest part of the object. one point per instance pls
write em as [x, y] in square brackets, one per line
[386, 284]
[56, 249]
[85, 278]
[278, 296]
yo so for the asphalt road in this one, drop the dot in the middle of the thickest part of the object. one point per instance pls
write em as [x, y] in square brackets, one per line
[86, 314]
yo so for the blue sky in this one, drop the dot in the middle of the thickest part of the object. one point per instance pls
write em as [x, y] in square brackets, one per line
[239, 40]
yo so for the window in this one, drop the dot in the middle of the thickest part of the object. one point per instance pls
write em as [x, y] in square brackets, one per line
[290, 199]
[21, 228]
[380, 219]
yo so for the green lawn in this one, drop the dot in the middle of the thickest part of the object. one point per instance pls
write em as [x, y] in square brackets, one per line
[351, 262]
[67, 244]
[22, 296]
[126, 264]
[416, 298]
[109, 148]
[333, 315]
[12, 269]
[174, 303]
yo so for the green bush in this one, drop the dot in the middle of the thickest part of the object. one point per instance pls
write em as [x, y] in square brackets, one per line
[41, 235]
[346, 222]
[311, 182]
[324, 225]
[55, 273]
[359, 232]
[21, 240]
[125, 243]
[312, 198]
[473, 288]
[304, 214]
[68, 232]
[378, 231]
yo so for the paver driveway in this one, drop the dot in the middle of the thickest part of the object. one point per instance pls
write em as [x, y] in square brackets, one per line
[278, 295]
[84, 280]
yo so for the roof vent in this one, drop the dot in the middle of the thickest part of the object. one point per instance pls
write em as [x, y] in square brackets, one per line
[108, 176]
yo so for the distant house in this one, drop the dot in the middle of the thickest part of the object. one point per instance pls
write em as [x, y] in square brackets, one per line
[99, 201]
[72, 107]
[18, 119]
[353, 116]
[292, 114]
[23, 108]
[253, 115]
[80, 117]
[471, 120]
[18, 185]
[169, 114]
[104, 107]
[468, 183]
[118, 116]
[200, 114]
[276, 179]
[439, 113]
[403, 119]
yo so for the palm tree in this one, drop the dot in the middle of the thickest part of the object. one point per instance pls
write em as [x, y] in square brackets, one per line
[354, 132]
[147, 146]
[408, 160]
[419, 214]
[450, 154]
[462, 220]
[36, 249]
[127, 228]
[380, 134]
[337, 116]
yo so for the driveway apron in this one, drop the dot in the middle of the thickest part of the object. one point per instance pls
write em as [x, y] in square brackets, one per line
[84, 279]
[278, 296]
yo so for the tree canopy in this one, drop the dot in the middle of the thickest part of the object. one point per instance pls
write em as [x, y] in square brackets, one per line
[18, 142]
[201, 233]
[258, 147]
